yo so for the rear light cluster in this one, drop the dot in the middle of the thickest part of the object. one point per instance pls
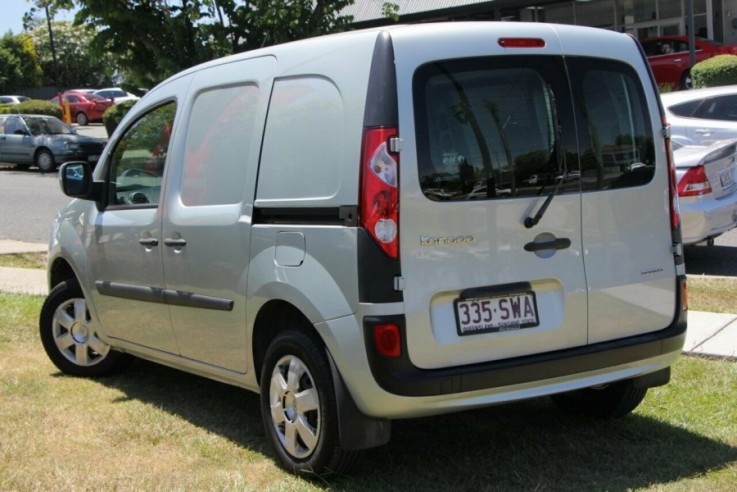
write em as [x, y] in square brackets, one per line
[675, 214]
[379, 212]
[388, 340]
[694, 183]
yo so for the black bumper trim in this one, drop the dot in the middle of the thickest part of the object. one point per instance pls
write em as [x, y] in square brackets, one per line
[400, 377]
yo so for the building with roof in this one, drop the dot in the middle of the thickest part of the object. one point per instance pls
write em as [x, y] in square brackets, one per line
[713, 19]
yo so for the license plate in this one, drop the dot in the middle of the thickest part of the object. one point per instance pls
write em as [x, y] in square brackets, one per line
[93, 158]
[726, 177]
[494, 314]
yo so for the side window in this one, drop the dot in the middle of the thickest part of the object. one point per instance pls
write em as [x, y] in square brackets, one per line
[138, 160]
[487, 128]
[685, 109]
[72, 99]
[217, 148]
[13, 125]
[617, 147]
[2, 125]
[719, 108]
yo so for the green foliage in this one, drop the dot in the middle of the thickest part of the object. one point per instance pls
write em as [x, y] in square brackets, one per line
[19, 64]
[78, 65]
[716, 71]
[150, 40]
[33, 106]
[114, 114]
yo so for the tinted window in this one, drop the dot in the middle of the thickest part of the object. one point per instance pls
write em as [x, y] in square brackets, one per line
[719, 108]
[615, 130]
[137, 163]
[685, 109]
[487, 127]
[504, 127]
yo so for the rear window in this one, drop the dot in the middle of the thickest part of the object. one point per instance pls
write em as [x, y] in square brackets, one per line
[497, 128]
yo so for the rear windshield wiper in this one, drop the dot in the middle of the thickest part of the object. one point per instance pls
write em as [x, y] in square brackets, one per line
[532, 221]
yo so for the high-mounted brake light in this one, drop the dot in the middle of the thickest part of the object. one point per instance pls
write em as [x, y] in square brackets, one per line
[694, 182]
[379, 213]
[521, 42]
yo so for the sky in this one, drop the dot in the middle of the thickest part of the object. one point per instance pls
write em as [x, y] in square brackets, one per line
[11, 15]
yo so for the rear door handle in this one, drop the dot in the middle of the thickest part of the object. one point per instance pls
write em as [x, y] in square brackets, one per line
[703, 131]
[175, 243]
[559, 243]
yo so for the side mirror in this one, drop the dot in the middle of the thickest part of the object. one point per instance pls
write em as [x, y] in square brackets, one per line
[75, 179]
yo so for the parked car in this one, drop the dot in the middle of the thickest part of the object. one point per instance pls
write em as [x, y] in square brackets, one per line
[116, 94]
[702, 116]
[44, 141]
[85, 107]
[670, 59]
[306, 239]
[13, 99]
[707, 189]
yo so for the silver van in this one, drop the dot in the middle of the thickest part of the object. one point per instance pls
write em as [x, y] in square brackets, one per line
[384, 224]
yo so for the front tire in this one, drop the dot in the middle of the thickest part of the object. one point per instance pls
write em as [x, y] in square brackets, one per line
[45, 161]
[606, 402]
[69, 336]
[298, 406]
[686, 80]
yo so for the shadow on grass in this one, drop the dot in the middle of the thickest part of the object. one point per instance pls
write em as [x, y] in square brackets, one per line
[525, 445]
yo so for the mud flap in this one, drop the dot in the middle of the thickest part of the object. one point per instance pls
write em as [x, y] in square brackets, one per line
[357, 431]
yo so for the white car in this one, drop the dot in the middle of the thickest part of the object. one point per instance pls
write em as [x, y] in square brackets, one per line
[13, 99]
[707, 190]
[702, 116]
[117, 94]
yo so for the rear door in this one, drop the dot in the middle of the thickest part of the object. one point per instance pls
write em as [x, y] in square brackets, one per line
[627, 242]
[494, 137]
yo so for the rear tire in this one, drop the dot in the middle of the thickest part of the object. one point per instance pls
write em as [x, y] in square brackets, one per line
[298, 406]
[45, 161]
[610, 401]
[686, 81]
[82, 119]
[69, 336]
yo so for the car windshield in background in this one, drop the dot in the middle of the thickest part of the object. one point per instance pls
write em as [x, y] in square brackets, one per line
[47, 126]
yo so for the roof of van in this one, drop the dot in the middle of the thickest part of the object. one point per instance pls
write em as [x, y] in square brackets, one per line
[329, 42]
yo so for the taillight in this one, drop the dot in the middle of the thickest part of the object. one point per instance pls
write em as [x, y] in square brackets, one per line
[675, 215]
[694, 183]
[379, 213]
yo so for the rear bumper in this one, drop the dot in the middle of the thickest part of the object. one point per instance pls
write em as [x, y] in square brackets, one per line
[400, 377]
[701, 220]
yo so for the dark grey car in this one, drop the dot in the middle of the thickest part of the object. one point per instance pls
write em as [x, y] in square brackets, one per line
[44, 141]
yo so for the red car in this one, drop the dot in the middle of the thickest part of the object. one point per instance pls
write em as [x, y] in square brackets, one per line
[85, 107]
[669, 57]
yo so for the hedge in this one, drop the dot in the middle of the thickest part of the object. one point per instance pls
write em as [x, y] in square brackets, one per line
[33, 106]
[112, 115]
[716, 71]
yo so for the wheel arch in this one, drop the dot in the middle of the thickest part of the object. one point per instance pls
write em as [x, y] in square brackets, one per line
[59, 271]
[274, 318]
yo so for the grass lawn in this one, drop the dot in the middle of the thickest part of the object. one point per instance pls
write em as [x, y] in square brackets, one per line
[156, 428]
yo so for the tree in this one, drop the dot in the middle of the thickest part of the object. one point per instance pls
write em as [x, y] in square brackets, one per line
[78, 66]
[19, 64]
